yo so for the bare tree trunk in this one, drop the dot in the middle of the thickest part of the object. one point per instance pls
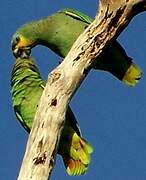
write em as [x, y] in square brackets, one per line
[112, 17]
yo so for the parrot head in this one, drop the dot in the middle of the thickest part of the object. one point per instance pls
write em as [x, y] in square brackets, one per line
[21, 46]
[23, 41]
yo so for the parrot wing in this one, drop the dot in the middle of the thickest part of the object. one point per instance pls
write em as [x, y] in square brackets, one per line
[77, 15]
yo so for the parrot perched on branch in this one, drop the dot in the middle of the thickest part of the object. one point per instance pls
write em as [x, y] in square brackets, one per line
[27, 87]
[60, 30]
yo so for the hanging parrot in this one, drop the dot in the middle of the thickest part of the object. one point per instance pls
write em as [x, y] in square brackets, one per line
[60, 30]
[27, 87]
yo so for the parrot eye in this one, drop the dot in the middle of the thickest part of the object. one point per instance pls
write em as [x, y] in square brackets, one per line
[17, 39]
[15, 42]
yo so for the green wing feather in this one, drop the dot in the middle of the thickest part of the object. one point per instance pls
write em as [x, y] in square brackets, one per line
[77, 15]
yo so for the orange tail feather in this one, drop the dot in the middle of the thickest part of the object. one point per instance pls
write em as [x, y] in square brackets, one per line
[74, 167]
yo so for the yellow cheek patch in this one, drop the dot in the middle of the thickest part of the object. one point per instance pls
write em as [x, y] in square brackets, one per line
[23, 42]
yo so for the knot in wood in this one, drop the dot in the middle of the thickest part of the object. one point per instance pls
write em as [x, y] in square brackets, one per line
[55, 76]
[54, 102]
[40, 159]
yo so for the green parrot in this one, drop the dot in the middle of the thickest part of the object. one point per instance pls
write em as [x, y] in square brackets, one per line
[27, 87]
[60, 30]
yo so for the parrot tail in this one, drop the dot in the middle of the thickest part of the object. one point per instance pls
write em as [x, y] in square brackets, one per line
[133, 75]
[78, 158]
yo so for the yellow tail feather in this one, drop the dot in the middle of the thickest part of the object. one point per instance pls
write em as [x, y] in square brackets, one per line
[78, 158]
[133, 75]
[87, 147]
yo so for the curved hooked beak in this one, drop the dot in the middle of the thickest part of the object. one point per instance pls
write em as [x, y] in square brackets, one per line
[21, 52]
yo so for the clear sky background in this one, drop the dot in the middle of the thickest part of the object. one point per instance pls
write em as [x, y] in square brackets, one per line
[112, 116]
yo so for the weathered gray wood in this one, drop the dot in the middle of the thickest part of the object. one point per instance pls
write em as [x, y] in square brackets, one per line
[112, 17]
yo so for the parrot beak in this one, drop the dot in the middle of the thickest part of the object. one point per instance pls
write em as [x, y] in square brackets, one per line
[21, 52]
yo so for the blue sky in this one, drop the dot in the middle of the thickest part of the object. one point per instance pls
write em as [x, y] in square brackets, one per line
[112, 116]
